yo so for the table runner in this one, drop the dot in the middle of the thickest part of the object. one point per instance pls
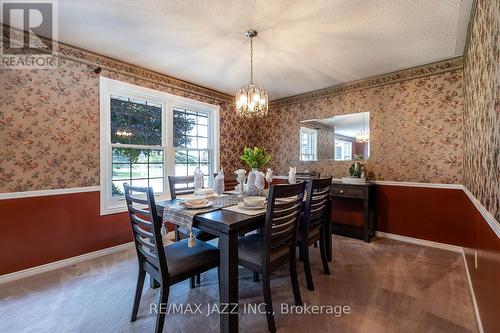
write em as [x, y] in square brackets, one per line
[184, 217]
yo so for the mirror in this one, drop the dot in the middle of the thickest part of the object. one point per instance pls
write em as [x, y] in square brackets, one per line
[341, 138]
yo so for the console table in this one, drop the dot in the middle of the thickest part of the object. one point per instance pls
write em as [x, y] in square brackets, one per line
[365, 192]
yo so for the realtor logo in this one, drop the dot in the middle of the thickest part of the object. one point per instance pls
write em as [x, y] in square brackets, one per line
[29, 34]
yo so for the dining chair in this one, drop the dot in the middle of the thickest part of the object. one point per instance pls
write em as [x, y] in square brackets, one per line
[229, 181]
[313, 223]
[307, 175]
[167, 265]
[182, 185]
[263, 253]
[186, 187]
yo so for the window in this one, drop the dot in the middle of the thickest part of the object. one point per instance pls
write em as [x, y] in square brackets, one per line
[343, 150]
[308, 138]
[147, 135]
[136, 135]
[191, 143]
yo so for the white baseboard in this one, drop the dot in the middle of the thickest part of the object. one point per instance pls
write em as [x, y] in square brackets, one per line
[476, 309]
[62, 263]
[418, 241]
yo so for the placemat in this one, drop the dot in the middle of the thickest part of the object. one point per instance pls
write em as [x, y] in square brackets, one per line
[251, 212]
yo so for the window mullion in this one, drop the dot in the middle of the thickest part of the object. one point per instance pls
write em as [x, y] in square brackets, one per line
[168, 142]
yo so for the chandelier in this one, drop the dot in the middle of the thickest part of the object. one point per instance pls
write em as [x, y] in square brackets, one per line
[363, 136]
[252, 100]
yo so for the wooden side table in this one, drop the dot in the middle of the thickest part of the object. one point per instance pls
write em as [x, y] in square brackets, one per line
[365, 192]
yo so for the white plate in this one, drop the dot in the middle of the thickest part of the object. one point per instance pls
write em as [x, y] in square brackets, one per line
[243, 206]
[205, 205]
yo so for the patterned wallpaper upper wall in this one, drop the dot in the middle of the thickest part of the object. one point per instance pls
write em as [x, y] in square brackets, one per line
[482, 106]
[416, 119]
[49, 120]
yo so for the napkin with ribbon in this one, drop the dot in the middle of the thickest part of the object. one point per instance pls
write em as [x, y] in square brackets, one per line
[219, 182]
[198, 181]
[260, 180]
[292, 175]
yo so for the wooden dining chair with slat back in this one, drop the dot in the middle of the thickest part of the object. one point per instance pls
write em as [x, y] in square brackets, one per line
[312, 224]
[167, 265]
[265, 252]
[181, 185]
[307, 175]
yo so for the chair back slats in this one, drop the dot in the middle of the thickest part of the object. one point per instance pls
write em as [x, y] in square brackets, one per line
[140, 221]
[145, 242]
[139, 211]
[146, 228]
[148, 256]
[186, 188]
[142, 232]
[282, 216]
[317, 205]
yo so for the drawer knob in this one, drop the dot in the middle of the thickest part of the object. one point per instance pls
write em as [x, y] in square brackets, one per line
[341, 191]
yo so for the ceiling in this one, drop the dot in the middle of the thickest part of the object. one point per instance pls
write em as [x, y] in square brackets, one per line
[301, 46]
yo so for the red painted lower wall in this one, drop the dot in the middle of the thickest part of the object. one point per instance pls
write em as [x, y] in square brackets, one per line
[40, 230]
[420, 212]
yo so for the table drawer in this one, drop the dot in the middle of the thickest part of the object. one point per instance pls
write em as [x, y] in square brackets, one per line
[348, 191]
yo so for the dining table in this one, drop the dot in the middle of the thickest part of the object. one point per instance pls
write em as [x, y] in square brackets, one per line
[228, 225]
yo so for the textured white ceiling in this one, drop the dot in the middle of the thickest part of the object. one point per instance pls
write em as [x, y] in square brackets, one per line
[301, 46]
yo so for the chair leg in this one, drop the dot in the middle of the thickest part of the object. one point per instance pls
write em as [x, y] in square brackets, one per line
[177, 234]
[218, 280]
[324, 256]
[255, 277]
[162, 304]
[138, 293]
[307, 266]
[293, 277]
[198, 279]
[192, 284]
[266, 286]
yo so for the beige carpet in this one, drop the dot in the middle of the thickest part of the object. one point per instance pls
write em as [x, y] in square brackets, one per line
[389, 286]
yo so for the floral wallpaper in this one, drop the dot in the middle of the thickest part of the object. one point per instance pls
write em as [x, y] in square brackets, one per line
[416, 128]
[482, 107]
[49, 120]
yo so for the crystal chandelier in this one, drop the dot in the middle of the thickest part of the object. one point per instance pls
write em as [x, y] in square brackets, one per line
[252, 100]
[364, 136]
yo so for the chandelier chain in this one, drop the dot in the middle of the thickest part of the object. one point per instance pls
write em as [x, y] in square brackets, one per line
[251, 60]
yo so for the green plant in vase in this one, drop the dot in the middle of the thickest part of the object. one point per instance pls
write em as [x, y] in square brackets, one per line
[255, 158]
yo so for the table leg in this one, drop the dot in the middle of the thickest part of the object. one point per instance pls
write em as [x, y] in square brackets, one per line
[228, 275]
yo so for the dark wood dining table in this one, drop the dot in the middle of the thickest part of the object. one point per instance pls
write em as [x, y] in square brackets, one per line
[228, 225]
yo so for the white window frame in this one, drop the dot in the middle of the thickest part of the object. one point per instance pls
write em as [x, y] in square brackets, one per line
[342, 144]
[314, 133]
[108, 87]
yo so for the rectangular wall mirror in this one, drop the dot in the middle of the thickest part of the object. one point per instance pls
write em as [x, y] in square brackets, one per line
[341, 138]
